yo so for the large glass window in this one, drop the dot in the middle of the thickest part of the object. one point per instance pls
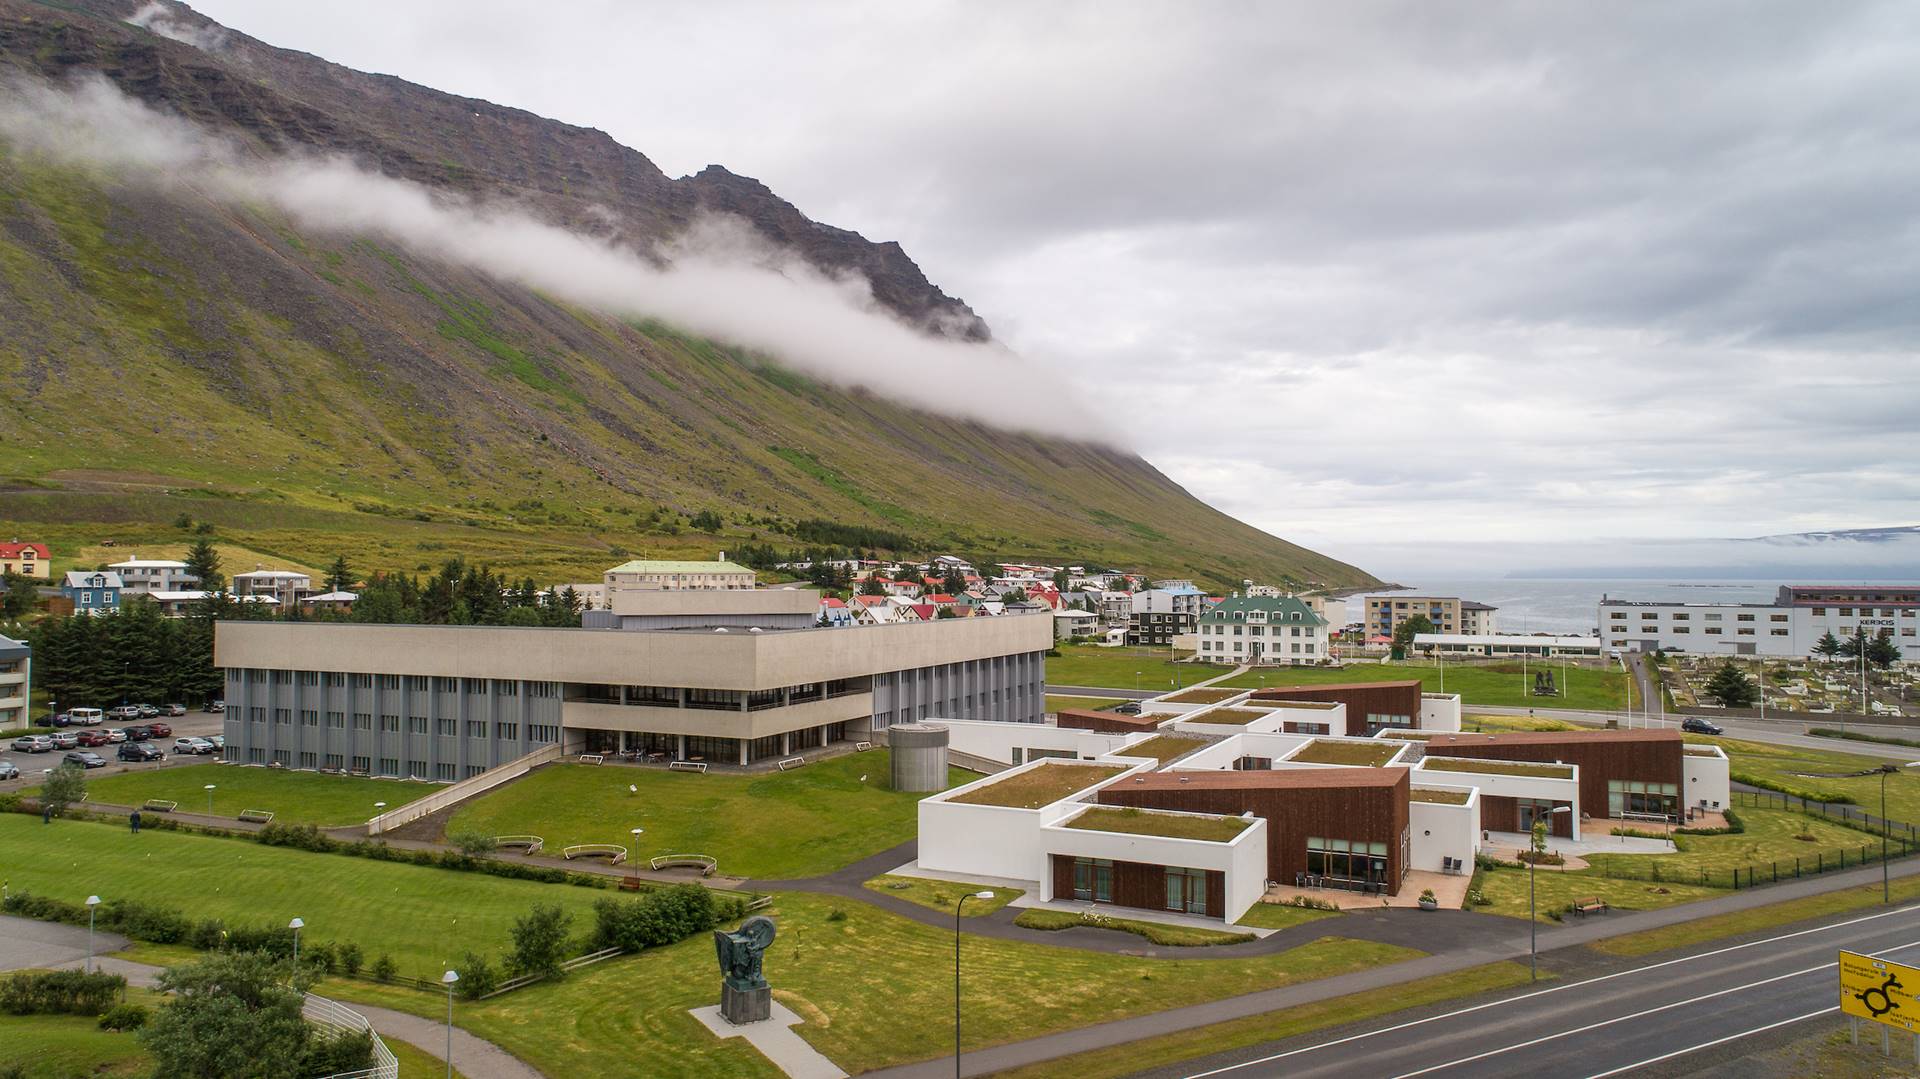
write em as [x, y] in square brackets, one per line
[1343, 859]
[1627, 796]
[1187, 890]
[1093, 880]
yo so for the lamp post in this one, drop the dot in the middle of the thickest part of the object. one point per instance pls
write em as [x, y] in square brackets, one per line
[1533, 924]
[296, 925]
[92, 902]
[956, 974]
[209, 790]
[447, 980]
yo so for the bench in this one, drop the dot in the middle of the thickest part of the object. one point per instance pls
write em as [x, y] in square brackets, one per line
[687, 766]
[613, 853]
[527, 844]
[862, 747]
[1590, 905]
[159, 805]
[791, 763]
[592, 758]
[257, 816]
[701, 862]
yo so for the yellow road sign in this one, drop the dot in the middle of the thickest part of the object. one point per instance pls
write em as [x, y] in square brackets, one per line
[1879, 990]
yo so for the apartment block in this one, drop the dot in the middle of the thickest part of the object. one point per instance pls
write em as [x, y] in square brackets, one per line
[16, 681]
[1449, 614]
[1262, 631]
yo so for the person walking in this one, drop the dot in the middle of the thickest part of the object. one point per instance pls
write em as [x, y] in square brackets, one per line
[133, 821]
[46, 814]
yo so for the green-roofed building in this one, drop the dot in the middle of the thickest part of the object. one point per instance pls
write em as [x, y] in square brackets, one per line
[1263, 631]
[649, 575]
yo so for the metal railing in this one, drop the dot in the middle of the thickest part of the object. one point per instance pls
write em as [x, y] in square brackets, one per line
[337, 1017]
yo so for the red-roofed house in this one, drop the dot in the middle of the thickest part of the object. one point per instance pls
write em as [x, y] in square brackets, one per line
[26, 559]
[926, 612]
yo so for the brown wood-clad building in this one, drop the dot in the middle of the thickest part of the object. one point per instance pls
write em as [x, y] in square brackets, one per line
[1137, 884]
[1636, 757]
[1397, 703]
[1082, 719]
[1350, 805]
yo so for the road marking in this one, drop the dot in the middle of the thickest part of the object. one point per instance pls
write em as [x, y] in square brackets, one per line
[1508, 1001]
[1714, 1042]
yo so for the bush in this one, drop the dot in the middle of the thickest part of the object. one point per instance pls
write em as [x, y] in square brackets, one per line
[124, 1017]
[350, 959]
[1735, 826]
[60, 992]
[472, 843]
[1771, 784]
[540, 941]
[836, 915]
[321, 956]
[384, 968]
[301, 836]
[656, 918]
[145, 921]
[477, 977]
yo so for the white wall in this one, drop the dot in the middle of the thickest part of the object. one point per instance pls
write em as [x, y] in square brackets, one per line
[1221, 755]
[1492, 785]
[996, 741]
[1243, 861]
[1439, 711]
[994, 841]
[1444, 831]
[1705, 777]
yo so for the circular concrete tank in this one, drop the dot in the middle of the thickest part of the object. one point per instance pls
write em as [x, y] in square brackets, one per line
[919, 756]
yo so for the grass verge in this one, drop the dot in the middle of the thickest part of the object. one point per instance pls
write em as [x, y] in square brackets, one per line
[292, 797]
[941, 895]
[1282, 915]
[1167, 936]
[1748, 921]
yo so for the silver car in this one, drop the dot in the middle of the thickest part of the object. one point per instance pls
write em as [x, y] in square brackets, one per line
[33, 743]
[8, 771]
[195, 746]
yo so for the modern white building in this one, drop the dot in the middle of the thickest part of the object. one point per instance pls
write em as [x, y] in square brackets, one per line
[651, 576]
[1799, 617]
[286, 587]
[1504, 644]
[139, 575]
[16, 681]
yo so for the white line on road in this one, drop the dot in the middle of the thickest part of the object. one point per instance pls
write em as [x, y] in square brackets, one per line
[1717, 1041]
[1510, 1001]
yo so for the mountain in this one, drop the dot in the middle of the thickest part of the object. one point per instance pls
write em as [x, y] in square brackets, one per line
[182, 362]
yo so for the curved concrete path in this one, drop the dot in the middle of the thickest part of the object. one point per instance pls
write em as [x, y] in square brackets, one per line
[25, 943]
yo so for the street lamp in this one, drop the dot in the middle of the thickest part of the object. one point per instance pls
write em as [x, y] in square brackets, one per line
[1533, 924]
[956, 974]
[447, 980]
[92, 902]
[209, 790]
[295, 925]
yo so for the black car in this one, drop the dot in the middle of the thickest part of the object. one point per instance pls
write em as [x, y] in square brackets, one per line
[59, 719]
[139, 751]
[1128, 709]
[137, 734]
[85, 759]
[1696, 725]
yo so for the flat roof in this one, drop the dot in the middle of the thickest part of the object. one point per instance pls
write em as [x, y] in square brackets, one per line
[643, 565]
[1139, 722]
[1134, 821]
[1162, 748]
[1203, 695]
[1230, 717]
[1041, 786]
[1499, 768]
[1265, 779]
[1552, 738]
[1271, 693]
[1428, 794]
[1534, 639]
[1344, 751]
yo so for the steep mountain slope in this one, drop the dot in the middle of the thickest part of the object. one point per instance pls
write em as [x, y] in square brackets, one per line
[315, 393]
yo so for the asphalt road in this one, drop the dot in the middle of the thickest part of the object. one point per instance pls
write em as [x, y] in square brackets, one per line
[1637, 1020]
[1791, 732]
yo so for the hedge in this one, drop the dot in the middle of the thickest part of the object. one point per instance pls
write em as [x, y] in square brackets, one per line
[60, 992]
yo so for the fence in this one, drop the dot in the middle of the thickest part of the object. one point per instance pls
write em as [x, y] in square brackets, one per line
[1850, 815]
[335, 1016]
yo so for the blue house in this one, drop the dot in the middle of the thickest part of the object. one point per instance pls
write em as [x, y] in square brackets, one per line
[94, 592]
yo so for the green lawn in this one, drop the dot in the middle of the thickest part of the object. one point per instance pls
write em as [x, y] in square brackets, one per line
[292, 797]
[1168, 936]
[1282, 915]
[1507, 888]
[1770, 837]
[777, 826]
[63, 1046]
[942, 895]
[1806, 769]
[1498, 683]
[1124, 668]
[1702, 930]
[425, 918]
[1055, 702]
[871, 988]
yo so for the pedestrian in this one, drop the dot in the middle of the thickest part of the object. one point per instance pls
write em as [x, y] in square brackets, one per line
[46, 814]
[133, 820]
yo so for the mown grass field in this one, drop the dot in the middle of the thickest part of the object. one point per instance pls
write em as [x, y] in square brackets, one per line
[1124, 668]
[1282, 916]
[292, 797]
[875, 988]
[777, 826]
[425, 918]
[1507, 888]
[1808, 770]
[1496, 684]
[1771, 836]
[1055, 702]
[942, 895]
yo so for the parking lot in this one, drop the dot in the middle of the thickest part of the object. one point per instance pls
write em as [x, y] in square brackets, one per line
[33, 766]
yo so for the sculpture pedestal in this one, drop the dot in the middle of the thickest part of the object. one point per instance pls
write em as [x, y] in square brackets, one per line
[742, 1006]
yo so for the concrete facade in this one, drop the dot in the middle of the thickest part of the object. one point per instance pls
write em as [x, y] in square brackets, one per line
[16, 681]
[1263, 631]
[1791, 625]
[154, 575]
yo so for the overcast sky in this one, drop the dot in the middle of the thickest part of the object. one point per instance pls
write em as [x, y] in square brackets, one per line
[1360, 274]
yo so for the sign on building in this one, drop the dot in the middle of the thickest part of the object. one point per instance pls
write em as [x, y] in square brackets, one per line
[1879, 990]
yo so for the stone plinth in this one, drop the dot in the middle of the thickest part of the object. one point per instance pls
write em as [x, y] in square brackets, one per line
[742, 1006]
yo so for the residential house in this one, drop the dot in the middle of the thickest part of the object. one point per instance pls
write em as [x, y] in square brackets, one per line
[835, 614]
[650, 575]
[147, 575]
[93, 592]
[1158, 615]
[26, 559]
[286, 587]
[1071, 623]
[1262, 631]
[331, 601]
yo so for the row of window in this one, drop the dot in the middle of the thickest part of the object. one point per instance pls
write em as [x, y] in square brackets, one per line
[499, 687]
[1220, 630]
[390, 724]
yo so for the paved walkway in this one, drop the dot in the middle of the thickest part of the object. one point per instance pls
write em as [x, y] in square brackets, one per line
[25, 943]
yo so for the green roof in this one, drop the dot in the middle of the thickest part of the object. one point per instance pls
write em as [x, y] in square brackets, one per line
[1278, 609]
[642, 565]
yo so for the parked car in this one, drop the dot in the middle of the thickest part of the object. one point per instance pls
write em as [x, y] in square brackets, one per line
[33, 743]
[219, 740]
[87, 717]
[91, 739]
[195, 746]
[147, 711]
[137, 734]
[1128, 709]
[176, 710]
[58, 719]
[65, 740]
[139, 751]
[114, 734]
[1696, 725]
[8, 771]
[160, 730]
[123, 713]
[85, 759]
[215, 707]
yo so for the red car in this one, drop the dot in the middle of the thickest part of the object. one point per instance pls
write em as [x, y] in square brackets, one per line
[91, 738]
[160, 730]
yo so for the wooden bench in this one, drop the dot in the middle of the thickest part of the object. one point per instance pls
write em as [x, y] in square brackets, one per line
[613, 853]
[791, 763]
[527, 844]
[256, 816]
[704, 864]
[159, 805]
[687, 766]
[592, 758]
[1590, 905]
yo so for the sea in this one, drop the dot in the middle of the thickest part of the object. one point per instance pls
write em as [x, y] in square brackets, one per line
[1571, 605]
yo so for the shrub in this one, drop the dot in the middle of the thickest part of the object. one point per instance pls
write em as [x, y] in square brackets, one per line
[384, 968]
[836, 915]
[124, 1017]
[320, 955]
[477, 977]
[656, 918]
[60, 992]
[145, 921]
[471, 842]
[350, 959]
[1478, 898]
[301, 836]
[540, 941]
[1769, 783]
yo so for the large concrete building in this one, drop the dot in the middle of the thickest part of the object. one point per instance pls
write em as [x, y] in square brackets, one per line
[149, 575]
[1449, 614]
[447, 702]
[1798, 618]
[16, 681]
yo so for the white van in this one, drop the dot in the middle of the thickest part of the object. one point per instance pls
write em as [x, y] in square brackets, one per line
[86, 717]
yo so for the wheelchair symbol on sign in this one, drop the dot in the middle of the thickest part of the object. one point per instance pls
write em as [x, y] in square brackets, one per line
[1886, 1004]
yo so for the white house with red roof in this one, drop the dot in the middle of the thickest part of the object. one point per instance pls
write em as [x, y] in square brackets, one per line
[26, 559]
